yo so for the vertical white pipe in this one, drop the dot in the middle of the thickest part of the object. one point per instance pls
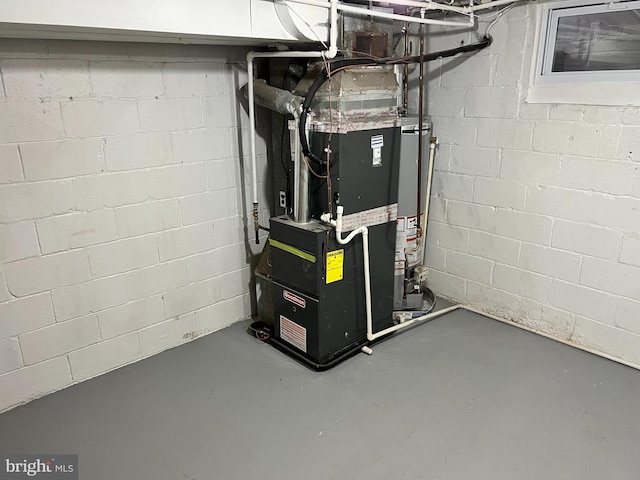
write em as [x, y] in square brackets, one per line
[364, 231]
[252, 136]
[367, 282]
[427, 198]
[252, 124]
[333, 30]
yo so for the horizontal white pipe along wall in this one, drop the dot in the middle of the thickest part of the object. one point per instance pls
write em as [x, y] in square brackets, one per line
[534, 215]
[122, 205]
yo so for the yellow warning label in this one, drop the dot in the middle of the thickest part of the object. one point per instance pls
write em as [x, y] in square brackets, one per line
[335, 262]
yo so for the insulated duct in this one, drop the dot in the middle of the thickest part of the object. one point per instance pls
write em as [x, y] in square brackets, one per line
[337, 65]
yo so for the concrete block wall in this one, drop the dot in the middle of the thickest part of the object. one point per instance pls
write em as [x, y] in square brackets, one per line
[123, 205]
[536, 213]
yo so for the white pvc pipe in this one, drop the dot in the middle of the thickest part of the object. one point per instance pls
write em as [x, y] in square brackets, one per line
[427, 197]
[364, 231]
[416, 4]
[422, 5]
[404, 18]
[333, 32]
[329, 53]
[428, 5]
[252, 135]
[390, 16]
[408, 323]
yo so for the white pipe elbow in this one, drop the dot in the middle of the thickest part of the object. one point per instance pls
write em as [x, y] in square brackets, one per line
[326, 218]
[332, 52]
[364, 231]
[339, 212]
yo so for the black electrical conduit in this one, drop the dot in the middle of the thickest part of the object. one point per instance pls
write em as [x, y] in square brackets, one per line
[342, 64]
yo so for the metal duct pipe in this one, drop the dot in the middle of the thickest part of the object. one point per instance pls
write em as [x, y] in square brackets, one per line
[301, 182]
[276, 99]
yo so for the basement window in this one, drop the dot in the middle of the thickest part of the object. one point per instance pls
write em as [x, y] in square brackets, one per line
[588, 53]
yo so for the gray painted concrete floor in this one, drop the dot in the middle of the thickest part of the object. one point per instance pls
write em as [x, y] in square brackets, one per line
[462, 397]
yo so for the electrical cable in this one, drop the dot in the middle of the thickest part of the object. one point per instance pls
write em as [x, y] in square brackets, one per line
[499, 15]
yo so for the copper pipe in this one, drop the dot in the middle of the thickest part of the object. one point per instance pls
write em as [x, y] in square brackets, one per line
[405, 91]
[420, 131]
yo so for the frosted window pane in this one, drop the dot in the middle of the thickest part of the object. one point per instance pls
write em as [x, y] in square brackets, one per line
[597, 42]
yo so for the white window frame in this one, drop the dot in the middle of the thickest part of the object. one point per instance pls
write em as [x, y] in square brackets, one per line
[612, 87]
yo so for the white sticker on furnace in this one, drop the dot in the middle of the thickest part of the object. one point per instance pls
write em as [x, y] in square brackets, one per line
[293, 333]
[377, 142]
[370, 218]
